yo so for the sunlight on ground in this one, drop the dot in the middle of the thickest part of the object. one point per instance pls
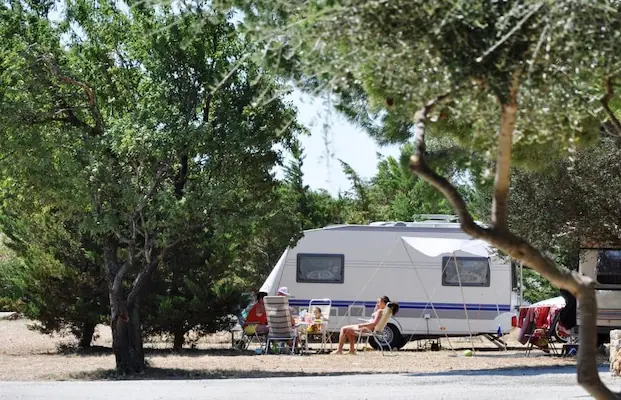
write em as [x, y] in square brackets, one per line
[27, 355]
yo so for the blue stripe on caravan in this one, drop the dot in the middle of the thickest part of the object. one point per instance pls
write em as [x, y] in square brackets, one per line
[408, 305]
[609, 314]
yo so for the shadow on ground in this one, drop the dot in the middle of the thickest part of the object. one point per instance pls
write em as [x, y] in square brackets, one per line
[183, 374]
[150, 352]
[509, 371]
[192, 374]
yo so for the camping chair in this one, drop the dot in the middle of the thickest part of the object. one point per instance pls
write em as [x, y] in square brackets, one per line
[249, 336]
[325, 305]
[279, 322]
[378, 332]
[248, 332]
[545, 333]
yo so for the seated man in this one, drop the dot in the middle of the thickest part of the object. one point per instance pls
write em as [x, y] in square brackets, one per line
[257, 317]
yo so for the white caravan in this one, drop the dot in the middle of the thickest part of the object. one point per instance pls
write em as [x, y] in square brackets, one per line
[414, 264]
[603, 265]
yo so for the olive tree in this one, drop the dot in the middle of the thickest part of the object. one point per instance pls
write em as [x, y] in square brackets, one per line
[514, 78]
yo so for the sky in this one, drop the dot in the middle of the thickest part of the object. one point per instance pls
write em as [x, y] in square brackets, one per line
[346, 142]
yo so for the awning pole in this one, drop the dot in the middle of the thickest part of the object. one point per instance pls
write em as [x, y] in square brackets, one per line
[463, 297]
[521, 283]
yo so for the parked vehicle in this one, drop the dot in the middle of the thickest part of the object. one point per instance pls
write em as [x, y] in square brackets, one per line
[603, 265]
[446, 283]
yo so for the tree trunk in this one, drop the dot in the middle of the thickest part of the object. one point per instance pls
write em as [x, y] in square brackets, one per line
[88, 331]
[179, 339]
[582, 287]
[125, 316]
[127, 342]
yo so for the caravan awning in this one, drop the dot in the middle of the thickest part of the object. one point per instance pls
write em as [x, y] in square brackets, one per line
[433, 247]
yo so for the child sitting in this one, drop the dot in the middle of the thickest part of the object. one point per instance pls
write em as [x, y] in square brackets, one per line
[316, 327]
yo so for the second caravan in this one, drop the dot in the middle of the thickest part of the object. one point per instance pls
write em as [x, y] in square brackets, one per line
[415, 264]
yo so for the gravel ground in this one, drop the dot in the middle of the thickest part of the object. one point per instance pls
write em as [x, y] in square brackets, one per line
[28, 355]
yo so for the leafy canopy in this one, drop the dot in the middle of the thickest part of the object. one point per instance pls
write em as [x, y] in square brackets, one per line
[387, 58]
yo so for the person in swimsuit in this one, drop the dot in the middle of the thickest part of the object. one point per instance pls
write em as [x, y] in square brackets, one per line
[349, 332]
[257, 317]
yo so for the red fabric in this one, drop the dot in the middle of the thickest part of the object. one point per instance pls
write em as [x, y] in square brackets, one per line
[254, 318]
[542, 316]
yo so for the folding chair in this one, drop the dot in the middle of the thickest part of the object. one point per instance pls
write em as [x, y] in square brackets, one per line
[249, 336]
[378, 332]
[545, 333]
[325, 305]
[248, 332]
[279, 322]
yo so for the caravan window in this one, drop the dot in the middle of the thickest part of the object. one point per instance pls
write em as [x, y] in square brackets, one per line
[473, 271]
[321, 268]
[608, 268]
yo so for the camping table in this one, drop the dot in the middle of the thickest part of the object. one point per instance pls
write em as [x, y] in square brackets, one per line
[302, 326]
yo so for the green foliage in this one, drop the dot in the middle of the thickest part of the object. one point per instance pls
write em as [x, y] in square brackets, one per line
[141, 128]
[580, 199]
[394, 194]
[196, 290]
[57, 277]
[12, 275]
[537, 288]
[385, 60]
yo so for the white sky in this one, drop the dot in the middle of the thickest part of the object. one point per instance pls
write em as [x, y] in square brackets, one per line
[347, 142]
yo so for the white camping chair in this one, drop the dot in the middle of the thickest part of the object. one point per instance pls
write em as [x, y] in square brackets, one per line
[378, 332]
[325, 305]
[279, 322]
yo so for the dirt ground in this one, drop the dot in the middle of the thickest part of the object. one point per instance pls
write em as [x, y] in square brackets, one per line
[28, 355]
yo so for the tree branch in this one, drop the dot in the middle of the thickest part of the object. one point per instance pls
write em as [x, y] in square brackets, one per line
[580, 286]
[90, 95]
[614, 121]
[146, 272]
[516, 28]
[508, 113]
[419, 166]
[156, 181]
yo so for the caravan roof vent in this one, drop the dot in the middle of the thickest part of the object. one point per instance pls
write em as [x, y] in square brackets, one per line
[433, 218]
[390, 223]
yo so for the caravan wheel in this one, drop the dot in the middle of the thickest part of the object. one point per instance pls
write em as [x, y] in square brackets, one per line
[393, 337]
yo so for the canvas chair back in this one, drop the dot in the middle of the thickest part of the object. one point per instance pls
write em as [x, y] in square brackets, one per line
[278, 316]
[386, 314]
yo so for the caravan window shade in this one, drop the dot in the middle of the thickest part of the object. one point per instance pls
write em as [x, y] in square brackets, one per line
[608, 268]
[321, 268]
[473, 271]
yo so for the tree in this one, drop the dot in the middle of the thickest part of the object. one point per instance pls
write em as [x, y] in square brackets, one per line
[401, 196]
[314, 209]
[196, 289]
[58, 278]
[137, 138]
[11, 279]
[520, 75]
[582, 210]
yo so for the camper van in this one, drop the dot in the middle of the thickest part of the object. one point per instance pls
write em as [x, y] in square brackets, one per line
[446, 283]
[603, 265]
